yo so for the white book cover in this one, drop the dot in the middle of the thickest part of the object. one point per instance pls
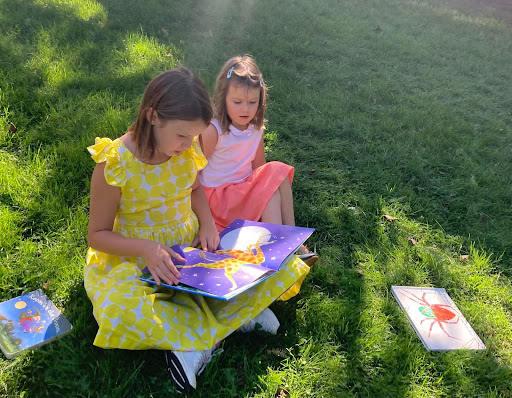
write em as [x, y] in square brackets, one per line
[436, 319]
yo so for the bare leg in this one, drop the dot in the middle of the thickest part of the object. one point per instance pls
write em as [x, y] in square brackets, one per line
[272, 212]
[287, 214]
[288, 218]
[279, 209]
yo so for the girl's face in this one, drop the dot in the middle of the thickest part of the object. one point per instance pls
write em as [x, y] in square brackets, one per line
[174, 136]
[242, 105]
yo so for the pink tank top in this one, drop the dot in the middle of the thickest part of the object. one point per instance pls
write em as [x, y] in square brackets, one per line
[231, 160]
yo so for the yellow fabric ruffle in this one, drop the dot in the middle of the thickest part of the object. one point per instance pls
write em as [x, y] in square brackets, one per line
[106, 150]
[197, 155]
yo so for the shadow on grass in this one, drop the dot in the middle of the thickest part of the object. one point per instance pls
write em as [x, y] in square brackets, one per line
[347, 301]
[394, 361]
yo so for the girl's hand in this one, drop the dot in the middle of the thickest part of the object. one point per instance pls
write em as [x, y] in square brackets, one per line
[158, 259]
[208, 236]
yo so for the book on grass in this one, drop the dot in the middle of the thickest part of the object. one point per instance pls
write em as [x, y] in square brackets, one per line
[248, 253]
[29, 321]
[436, 319]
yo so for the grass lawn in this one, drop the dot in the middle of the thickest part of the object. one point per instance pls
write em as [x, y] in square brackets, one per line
[385, 108]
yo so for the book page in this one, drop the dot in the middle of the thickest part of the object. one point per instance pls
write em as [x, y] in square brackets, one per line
[216, 274]
[261, 243]
[248, 253]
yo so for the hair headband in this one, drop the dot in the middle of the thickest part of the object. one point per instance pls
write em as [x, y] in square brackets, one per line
[230, 71]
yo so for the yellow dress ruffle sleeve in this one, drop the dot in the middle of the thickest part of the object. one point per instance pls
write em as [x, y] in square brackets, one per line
[104, 150]
[197, 154]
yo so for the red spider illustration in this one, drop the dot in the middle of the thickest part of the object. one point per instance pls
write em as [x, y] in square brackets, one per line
[436, 313]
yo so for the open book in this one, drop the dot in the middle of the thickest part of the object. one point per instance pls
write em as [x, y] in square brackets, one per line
[436, 319]
[248, 253]
[29, 321]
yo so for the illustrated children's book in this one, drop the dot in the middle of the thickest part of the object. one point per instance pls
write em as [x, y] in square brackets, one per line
[248, 253]
[436, 319]
[29, 321]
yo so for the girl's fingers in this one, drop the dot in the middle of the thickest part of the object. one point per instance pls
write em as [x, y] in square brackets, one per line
[167, 275]
[211, 244]
[155, 277]
[204, 244]
[170, 268]
[161, 275]
[195, 242]
[175, 255]
[215, 243]
[175, 273]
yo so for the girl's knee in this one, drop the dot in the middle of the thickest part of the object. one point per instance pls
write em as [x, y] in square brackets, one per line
[276, 194]
[285, 186]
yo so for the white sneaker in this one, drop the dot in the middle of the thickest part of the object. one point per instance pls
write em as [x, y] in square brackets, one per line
[266, 319]
[184, 366]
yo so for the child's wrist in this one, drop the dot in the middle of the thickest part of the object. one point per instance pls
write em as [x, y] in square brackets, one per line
[143, 247]
[210, 224]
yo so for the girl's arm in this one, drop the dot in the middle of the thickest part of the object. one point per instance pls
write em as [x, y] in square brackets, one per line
[208, 140]
[259, 158]
[208, 235]
[100, 236]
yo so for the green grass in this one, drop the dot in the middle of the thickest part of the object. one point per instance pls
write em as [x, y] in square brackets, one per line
[410, 120]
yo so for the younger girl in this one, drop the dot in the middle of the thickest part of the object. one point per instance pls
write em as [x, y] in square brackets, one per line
[144, 199]
[237, 180]
[239, 184]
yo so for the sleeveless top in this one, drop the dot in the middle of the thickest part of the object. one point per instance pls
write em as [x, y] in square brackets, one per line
[231, 160]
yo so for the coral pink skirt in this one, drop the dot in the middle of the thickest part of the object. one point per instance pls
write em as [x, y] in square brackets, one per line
[247, 199]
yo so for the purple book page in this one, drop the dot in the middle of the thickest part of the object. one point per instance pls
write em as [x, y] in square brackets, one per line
[215, 273]
[262, 243]
[248, 253]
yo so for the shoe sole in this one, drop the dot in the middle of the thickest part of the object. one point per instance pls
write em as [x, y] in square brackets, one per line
[177, 373]
[309, 258]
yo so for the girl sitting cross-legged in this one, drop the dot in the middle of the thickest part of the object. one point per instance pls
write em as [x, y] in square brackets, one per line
[145, 197]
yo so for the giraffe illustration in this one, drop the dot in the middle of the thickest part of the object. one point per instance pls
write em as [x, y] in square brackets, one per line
[232, 265]
[248, 256]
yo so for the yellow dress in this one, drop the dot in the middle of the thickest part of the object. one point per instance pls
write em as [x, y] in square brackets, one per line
[155, 204]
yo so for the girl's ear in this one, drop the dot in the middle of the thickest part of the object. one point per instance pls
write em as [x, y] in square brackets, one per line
[152, 116]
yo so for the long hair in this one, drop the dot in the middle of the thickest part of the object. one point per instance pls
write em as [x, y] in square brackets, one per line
[243, 72]
[176, 94]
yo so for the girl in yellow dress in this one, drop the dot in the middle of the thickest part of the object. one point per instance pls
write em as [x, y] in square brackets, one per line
[145, 198]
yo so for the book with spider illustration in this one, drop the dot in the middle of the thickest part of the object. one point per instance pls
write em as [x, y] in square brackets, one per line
[29, 321]
[436, 319]
[248, 253]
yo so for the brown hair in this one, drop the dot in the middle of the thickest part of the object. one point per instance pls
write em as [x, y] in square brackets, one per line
[242, 71]
[176, 94]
